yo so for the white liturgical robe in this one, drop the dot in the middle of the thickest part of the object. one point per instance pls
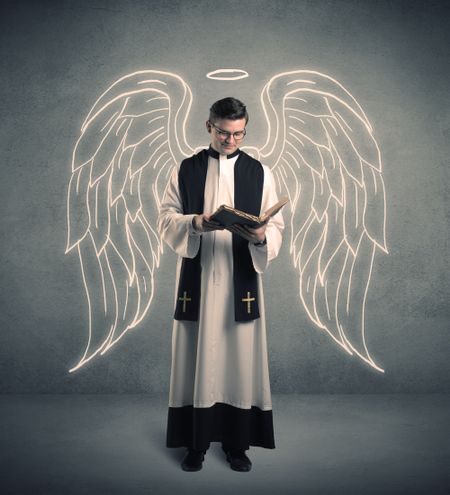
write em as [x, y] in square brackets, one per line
[216, 359]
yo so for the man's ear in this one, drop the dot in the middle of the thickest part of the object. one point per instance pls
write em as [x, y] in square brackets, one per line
[208, 126]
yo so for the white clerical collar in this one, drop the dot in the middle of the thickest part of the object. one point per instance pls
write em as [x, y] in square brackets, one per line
[215, 154]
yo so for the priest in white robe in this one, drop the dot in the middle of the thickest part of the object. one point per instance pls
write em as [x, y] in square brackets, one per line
[219, 385]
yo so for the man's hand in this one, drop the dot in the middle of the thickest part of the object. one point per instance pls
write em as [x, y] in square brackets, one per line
[253, 235]
[202, 223]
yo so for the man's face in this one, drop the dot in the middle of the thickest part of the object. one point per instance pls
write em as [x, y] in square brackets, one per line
[225, 144]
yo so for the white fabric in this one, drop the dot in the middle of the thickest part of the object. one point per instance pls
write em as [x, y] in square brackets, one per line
[217, 359]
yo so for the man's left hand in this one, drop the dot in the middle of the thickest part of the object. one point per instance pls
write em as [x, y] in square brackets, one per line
[253, 235]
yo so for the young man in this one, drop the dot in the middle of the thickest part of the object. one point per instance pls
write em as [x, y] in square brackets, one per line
[219, 387]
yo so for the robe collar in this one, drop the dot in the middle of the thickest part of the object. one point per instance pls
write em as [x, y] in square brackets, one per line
[215, 154]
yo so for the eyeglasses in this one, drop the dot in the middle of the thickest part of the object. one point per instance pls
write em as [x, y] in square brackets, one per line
[238, 135]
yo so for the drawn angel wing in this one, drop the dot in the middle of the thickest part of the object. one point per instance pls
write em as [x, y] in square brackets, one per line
[131, 139]
[324, 156]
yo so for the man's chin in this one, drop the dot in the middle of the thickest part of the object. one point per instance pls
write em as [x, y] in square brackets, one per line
[229, 150]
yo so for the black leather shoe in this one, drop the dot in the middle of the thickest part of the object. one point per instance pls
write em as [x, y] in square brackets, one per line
[238, 460]
[193, 460]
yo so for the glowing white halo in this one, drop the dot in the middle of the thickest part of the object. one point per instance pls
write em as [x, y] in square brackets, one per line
[220, 74]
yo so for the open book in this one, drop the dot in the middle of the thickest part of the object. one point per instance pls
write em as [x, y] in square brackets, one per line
[227, 215]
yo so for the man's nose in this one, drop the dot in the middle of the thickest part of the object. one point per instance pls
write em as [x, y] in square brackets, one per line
[230, 137]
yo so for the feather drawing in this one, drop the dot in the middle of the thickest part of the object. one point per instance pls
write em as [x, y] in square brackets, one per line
[322, 151]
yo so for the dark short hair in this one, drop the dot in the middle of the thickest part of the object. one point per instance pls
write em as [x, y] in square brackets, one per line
[228, 108]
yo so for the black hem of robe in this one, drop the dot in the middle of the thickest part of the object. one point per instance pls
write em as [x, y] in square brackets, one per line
[196, 427]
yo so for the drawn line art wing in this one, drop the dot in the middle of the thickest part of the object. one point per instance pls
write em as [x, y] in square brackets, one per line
[324, 156]
[130, 141]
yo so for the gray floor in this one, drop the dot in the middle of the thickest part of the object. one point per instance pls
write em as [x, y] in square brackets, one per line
[326, 444]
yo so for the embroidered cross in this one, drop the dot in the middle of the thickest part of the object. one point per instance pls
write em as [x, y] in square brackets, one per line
[185, 299]
[248, 300]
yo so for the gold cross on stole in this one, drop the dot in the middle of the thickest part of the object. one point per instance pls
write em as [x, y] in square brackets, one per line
[185, 299]
[248, 300]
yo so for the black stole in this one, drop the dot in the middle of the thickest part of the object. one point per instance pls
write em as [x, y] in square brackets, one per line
[248, 189]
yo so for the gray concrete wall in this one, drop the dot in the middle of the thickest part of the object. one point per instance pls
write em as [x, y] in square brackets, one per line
[58, 57]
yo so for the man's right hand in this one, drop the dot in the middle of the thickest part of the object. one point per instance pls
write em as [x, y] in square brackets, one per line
[202, 223]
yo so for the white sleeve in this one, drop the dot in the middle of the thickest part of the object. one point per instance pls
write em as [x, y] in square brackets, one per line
[176, 229]
[263, 255]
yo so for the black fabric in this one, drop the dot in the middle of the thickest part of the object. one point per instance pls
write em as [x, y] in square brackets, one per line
[237, 428]
[248, 190]
[191, 182]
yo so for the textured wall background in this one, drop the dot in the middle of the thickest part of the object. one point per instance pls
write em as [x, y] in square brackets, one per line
[58, 57]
